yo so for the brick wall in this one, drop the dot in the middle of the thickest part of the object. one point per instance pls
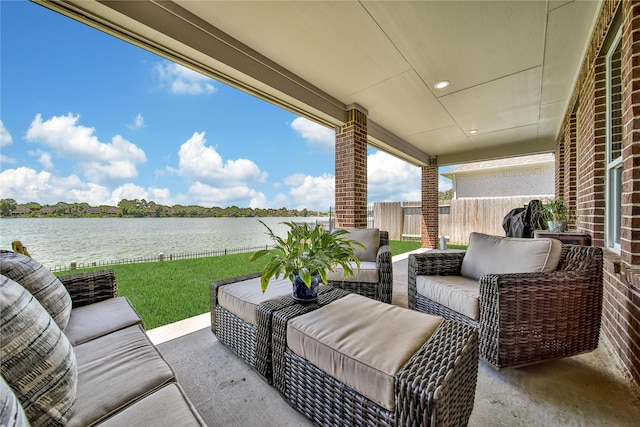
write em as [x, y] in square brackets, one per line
[430, 205]
[621, 305]
[351, 171]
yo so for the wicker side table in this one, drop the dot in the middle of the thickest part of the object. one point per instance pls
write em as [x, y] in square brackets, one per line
[436, 387]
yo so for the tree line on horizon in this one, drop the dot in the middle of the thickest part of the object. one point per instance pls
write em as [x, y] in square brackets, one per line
[140, 208]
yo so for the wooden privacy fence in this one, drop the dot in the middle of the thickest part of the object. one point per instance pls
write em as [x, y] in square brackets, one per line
[456, 218]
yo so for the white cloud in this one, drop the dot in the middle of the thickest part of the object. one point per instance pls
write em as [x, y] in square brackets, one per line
[101, 162]
[5, 136]
[199, 162]
[312, 192]
[138, 122]
[181, 80]
[26, 185]
[444, 184]
[208, 195]
[45, 161]
[7, 159]
[161, 196]
[392, 179]
[128, 191]
[314, 133]
[389, 179]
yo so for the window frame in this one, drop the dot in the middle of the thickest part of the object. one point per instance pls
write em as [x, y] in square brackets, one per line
[613, 187]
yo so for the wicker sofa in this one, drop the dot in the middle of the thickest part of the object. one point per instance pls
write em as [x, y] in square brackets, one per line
[75, 354]
[525, 314]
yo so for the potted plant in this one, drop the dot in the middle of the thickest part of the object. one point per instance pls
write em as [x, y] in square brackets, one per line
[305, 256]
[557, 214]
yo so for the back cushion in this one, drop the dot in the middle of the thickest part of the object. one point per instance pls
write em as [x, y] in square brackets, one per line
[36, 359]
[501, 255]
[370, 238]
[40, 282]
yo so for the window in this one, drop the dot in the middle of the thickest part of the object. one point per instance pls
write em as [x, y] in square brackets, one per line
[614, 144]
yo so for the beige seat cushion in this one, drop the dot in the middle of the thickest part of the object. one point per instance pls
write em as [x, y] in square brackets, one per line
[115, 370]
[242, 298]
[455, 292]
[361, 342]
[168, 406]
[95, 320]
[501, 255]
[367, 273]
[370, 238]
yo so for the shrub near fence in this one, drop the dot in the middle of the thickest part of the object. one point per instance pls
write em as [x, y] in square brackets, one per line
[160, 258]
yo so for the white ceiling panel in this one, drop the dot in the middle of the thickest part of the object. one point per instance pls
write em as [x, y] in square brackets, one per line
[441, 141]
[335, 45]
[467, 43]
[568, 24]
[506, 103]
[414, 109]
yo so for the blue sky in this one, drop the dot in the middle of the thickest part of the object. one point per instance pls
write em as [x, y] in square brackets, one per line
[86, 117]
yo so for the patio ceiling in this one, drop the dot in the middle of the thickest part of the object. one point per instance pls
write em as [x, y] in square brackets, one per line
[512, 65]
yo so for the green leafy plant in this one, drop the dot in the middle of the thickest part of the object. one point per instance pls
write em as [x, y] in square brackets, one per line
[556, 210]
[307, 251]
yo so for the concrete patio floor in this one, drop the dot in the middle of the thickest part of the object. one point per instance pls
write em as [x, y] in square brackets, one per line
[584, 390]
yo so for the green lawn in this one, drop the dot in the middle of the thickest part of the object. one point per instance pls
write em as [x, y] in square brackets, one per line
[165, 292]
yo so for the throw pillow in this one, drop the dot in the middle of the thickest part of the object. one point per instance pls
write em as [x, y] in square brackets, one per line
[36, 359]
[40, 282]
[11, 413]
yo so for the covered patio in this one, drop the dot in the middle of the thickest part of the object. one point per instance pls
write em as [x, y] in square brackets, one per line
[583, 390]
[436, 84]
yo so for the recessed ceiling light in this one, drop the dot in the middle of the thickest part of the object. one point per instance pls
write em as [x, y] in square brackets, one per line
[442, 84]
[472, 131]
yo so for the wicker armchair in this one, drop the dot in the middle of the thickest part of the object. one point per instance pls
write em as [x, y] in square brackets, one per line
[381, 291]
[525, 318]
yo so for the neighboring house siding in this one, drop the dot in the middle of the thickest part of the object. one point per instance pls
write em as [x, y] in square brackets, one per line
[506, 183]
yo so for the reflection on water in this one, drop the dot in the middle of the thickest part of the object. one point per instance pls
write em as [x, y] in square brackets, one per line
[58, 241]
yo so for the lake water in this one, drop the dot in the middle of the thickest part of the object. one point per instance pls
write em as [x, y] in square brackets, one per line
[59, 241]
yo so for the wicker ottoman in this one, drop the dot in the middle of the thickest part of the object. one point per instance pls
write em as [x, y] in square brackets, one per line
[357, 361]
[241, 316]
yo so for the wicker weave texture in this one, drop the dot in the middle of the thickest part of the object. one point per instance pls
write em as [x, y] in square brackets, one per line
[529, 318]
[381, 291]
[279, 330]
[436, 387]
[90, 287]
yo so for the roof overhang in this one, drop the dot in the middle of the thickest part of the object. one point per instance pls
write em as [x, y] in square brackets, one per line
[512, 65]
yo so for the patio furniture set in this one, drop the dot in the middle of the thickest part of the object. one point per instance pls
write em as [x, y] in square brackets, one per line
[349, 359]
[73, 353]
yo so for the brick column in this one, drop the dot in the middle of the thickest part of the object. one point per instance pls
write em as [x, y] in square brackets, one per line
[351, 170]
[430, 205]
